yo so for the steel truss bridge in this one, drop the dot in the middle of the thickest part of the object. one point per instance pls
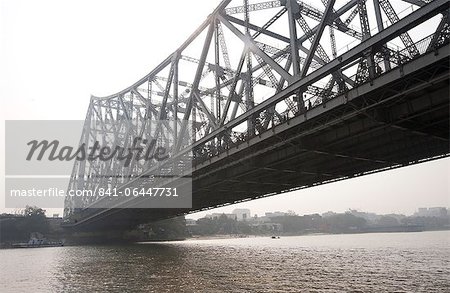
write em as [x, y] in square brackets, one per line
[278, 96]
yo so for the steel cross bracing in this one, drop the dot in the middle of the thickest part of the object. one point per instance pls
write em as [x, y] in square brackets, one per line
[260, 65]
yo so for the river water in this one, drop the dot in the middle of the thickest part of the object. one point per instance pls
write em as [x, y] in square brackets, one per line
[391, 262]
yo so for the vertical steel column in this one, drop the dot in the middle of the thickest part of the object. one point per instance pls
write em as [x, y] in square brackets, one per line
[149, 103]
[376, 5]
[293, 9]
[365, 28]
[293, 13]
[217, 63]
[249, 102]
[176, 60]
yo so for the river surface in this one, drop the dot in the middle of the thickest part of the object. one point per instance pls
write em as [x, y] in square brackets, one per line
[391, 262]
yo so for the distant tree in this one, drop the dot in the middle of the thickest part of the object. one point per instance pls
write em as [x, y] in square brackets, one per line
[340, 223]
[243, 228]
[174, 228]
[226, 225]
[299, 224]
[34, 221]
[205, 226]
[19, 228]
[291, 213]
[387, 221]
[33, 211]
[220, 225]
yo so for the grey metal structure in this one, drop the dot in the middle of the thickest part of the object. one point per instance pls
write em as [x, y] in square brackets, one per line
[274, 106]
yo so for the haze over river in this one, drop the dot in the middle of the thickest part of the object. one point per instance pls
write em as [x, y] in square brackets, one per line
[391, 262]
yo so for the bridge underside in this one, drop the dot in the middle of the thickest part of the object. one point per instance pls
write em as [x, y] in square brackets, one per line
[397, 119]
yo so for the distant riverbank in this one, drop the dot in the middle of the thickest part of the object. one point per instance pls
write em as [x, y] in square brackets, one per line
[372, 230]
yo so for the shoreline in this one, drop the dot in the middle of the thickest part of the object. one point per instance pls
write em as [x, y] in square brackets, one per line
[239, 236]
[232, 236]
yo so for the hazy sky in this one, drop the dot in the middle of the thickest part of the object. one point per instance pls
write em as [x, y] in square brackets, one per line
[55, 53]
